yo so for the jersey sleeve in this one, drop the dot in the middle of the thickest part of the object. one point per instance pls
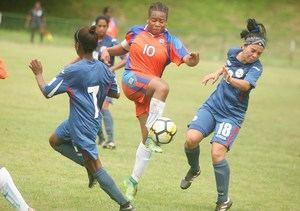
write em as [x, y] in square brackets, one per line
[253, 75]
[58, 84]
[176, 50]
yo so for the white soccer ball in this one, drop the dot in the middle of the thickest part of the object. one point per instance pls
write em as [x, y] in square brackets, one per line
[163, 130]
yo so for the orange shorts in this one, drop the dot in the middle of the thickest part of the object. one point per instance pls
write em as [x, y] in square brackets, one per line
[134, 85]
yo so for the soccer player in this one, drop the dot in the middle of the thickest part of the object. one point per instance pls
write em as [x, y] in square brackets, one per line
[3, 71]
[105, 41]
[87, 82]
[9, 190]
[224, 111]
[112, 29]
[151, 48]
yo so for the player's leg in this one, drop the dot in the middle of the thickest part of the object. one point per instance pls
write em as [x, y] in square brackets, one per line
[157, 90]
[61, 142]
[108, 123]
[105, 180]
[201, 126]
[100, 132]
[9, 190]
[225, 134]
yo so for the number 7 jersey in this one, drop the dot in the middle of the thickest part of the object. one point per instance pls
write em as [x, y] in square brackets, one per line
[150, 54]
[87, 84]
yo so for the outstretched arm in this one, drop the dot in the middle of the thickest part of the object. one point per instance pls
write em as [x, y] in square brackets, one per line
[37, 70]
[116, 50]
[212, 76]
[191, 59]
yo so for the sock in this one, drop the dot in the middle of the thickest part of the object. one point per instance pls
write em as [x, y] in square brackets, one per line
[142, 158]
[9, 190]
[222, 173]
[68, 151]
[108, 185]
[108, 122]
[193, 157]
[156, 110]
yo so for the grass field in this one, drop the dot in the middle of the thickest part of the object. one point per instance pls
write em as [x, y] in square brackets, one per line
[264, 160]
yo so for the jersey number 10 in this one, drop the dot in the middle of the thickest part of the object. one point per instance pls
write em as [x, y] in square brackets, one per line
[149, 50]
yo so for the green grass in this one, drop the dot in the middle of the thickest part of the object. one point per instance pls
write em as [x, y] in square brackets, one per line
[264, 160]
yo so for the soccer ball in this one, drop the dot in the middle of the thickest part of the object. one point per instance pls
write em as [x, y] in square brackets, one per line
[163, 130]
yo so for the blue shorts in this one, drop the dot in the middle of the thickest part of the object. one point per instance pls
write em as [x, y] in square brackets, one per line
[206, 121]
[64, 133]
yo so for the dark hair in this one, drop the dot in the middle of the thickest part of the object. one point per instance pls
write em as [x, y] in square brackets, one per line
[106, 9]
[102, 17]
[87, 38]
[255, 33]
[158, 6]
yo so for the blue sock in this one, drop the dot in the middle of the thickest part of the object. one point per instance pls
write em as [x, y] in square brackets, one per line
[108, 123]
[108, 185]
[222, 173]
[68, 151]
[193, 158]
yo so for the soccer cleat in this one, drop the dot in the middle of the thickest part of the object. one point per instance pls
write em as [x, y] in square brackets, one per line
[92, 180]
[109, 145]
[224, 205]
[131, 188]
[127, 207]
[190, 176]
[150, 144]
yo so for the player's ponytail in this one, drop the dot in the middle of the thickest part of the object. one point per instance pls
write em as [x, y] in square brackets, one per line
[87, 39]
[255, 33]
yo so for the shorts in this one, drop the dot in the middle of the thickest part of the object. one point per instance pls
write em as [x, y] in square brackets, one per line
[206, 121]
[87, 144]
[134, 85]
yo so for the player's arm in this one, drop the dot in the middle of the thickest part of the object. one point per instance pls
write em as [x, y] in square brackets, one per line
[191, 59]
[212, 76]
[116, 50]
[120, 64]
[240, 84]
[37, 70]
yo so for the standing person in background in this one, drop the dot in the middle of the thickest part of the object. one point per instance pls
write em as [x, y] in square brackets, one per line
[87, 83]
[151, 48]
[36, 21]
[9, 190]
[113, 25]
[106, 41]
[224, 111]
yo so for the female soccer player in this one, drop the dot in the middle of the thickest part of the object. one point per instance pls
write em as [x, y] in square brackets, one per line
[151, 48]
[105, 41]
[87, 83]
[224, 111]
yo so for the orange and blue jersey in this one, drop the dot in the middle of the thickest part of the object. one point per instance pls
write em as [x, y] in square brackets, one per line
[150, 54]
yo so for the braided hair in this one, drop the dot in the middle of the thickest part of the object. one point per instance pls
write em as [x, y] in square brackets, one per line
[158, 6]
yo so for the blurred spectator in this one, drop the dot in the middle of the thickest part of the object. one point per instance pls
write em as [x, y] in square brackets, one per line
[36, 21]
[113, 25]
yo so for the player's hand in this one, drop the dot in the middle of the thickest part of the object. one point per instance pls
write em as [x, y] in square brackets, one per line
[227, 77]
[213, 77]
[36, 67]
[191, 59]
[105, 57]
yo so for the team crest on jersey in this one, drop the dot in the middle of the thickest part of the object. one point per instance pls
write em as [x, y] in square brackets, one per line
[132, 81]
[161, 41]
[230, 72]
[239, 73]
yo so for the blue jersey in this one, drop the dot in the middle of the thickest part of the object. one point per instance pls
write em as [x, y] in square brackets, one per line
[228, 101]
[106, 42]
[87, 84]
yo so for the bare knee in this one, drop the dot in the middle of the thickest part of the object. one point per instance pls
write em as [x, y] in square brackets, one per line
[193, 138]
[218, 152]
[54, 141]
